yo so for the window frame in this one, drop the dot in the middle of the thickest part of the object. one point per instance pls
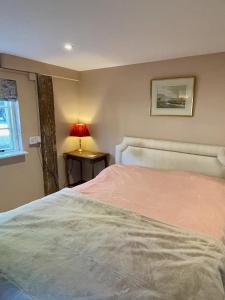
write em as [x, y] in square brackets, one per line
[14, 127]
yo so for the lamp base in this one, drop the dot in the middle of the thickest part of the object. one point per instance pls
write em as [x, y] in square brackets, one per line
[80, 150]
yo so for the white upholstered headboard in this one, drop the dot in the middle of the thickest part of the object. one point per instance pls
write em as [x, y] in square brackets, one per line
[208, 160]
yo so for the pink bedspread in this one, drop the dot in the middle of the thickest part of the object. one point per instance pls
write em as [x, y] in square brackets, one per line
[184, 199]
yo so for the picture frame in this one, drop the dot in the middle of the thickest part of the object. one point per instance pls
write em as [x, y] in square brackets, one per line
[172, 96]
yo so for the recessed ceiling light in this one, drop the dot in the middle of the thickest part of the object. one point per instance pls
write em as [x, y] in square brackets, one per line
[68, 46]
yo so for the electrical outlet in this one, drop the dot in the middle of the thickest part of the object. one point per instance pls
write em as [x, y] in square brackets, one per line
[34, 140]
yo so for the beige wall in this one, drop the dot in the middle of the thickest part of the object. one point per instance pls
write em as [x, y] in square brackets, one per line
[21, 179]
[116, 101]
[25, 64]
[66, 96]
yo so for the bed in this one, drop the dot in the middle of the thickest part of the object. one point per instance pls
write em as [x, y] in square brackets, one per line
[151, 226]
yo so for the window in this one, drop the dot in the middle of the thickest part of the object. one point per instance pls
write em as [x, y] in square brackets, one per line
[10, 131]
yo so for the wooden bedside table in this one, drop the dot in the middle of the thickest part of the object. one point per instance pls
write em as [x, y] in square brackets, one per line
[89, 156]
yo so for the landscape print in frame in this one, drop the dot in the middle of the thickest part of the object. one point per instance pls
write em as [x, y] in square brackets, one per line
[172, 96]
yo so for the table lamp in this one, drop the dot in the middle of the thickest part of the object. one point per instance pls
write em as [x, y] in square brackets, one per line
[79, 130]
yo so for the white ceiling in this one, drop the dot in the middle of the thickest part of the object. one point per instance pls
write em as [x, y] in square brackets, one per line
[108, 33]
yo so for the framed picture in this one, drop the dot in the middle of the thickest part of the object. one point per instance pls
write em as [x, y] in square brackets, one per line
[172, 97]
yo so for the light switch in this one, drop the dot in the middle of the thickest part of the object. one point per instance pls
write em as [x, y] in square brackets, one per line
[34, 140]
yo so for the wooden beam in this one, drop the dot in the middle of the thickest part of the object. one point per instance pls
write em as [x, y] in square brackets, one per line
[48, 135]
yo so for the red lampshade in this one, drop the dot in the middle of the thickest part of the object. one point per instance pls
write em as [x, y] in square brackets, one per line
[79, 130]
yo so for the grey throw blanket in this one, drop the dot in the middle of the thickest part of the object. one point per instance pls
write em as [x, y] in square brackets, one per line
[67, 246]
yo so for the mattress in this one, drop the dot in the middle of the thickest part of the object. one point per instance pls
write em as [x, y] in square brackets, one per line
[126, 193]
[185, 199]
[68, 246]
